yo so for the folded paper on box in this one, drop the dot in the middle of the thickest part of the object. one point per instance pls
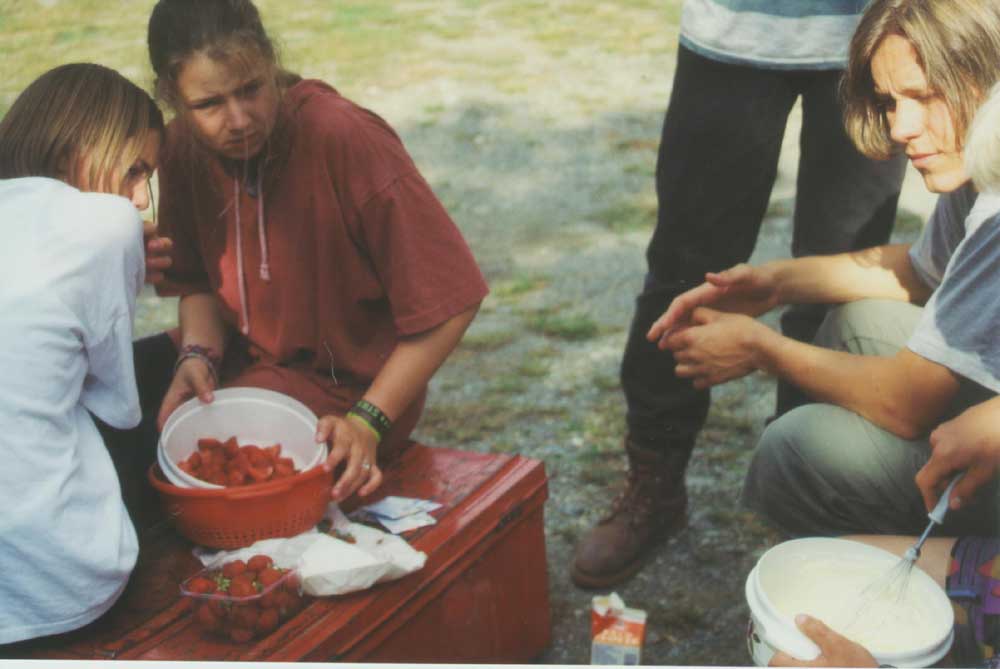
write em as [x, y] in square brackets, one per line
[332, 566]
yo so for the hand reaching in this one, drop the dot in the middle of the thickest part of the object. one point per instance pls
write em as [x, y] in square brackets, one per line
[716, 347]
[356, 443]
[742, 289]
[193, 377]
[971, 443]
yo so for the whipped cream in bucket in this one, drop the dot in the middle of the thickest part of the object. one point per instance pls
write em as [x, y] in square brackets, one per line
[825, 578]
[830, 589]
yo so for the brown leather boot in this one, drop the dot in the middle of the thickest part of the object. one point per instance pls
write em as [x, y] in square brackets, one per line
[651, 508]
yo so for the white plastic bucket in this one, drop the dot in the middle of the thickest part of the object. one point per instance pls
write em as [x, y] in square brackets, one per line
[783, 570]
[253, 416]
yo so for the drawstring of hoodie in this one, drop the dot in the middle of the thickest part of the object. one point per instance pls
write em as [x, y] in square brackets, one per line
[265, 268]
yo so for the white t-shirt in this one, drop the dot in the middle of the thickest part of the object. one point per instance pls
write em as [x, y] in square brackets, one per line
[71, 266]
[958, 255]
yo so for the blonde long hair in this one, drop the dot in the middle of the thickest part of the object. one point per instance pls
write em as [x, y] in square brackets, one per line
[982, 152]
[957, 43]
[82, 123]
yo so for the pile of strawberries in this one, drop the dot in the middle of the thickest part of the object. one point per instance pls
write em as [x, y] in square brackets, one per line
[226, 463]
[243, 600]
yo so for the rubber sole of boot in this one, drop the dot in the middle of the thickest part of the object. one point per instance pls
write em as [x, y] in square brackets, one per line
[587, 581]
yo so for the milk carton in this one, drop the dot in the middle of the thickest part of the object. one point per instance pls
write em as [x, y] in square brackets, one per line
[617, 632]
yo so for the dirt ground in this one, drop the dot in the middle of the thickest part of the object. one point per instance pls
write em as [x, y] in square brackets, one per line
[537, 124]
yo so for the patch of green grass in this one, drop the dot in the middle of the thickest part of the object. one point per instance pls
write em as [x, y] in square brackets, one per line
[509, 384]
[559, 26]
[568, 327]
[645, 169]
[678, 612]
[628, 216]
[641, 144]
[607, 382]
[456, 424]
[487, 340]
[502, 446]
[434, 109]
[75, 34]
[537, 363]
[518, 285]
[601, 476]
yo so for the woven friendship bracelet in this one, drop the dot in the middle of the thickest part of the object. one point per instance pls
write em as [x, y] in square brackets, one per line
[380, 420]
[203, 353]
[372, 416]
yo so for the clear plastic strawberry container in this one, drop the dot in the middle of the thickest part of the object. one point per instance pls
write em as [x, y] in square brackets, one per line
[242, 601]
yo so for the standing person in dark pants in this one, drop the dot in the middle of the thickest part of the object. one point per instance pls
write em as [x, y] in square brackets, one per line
[741, 65]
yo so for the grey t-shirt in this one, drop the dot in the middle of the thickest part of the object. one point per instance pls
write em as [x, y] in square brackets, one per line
[958, 255]
[772, 34]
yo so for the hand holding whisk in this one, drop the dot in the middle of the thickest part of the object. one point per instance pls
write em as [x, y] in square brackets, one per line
[892, 585]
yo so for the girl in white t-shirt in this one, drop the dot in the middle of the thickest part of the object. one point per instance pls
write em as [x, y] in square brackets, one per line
[77, 149]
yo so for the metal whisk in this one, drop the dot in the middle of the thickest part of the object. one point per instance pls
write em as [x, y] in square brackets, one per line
[893, 584]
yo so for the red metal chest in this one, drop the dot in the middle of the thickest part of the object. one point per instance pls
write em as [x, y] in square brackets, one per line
[482, 596]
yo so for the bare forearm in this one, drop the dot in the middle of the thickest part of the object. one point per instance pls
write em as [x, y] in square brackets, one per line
[880, 272]
[413, 362]
[903, 394]
[201, 322]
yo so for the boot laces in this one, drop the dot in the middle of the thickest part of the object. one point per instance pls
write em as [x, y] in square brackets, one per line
[643, 488]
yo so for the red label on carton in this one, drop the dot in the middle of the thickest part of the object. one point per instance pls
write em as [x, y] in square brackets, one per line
[617, 633]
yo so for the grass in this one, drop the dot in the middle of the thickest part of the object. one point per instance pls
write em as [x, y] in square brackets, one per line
[472, 422]
[568, 327]
[488, 340]
[518, 285]
[629, 215]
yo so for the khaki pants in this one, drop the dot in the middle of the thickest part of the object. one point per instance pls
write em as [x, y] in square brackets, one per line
[824, 470]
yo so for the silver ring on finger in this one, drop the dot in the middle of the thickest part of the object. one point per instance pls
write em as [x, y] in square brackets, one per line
[366, 466]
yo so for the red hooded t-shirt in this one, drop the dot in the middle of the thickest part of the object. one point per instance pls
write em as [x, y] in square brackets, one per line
[359, 249]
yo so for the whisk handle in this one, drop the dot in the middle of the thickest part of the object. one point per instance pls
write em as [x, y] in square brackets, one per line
[941, 508]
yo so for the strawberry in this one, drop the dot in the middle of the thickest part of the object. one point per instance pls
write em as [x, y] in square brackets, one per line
[201, 585]
[242, 589]
[261, 474]
[267, 620]
[282, 470]
[208, 444]
[257, 456]
[269, 600]
[207, 618]
[233, 567]
[269, 577]
[245, 616]
[259, 562]
[231, 447]
[240, 634]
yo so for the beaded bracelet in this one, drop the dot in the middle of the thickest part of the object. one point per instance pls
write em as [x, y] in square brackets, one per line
[203, 353]
[374, 417]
